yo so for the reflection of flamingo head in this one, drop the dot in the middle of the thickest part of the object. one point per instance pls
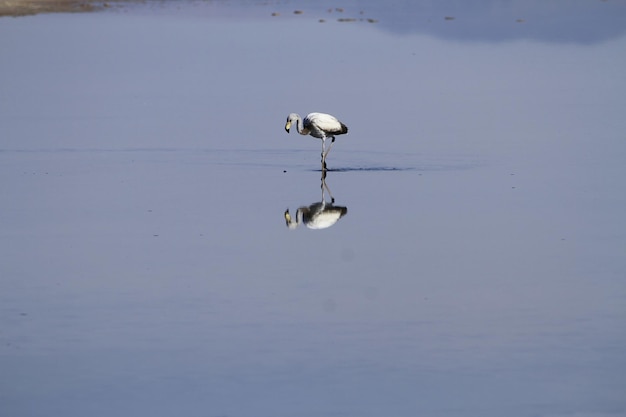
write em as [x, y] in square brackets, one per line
[290, 221]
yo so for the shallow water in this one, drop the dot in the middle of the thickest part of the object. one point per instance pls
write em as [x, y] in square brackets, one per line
[147, 268]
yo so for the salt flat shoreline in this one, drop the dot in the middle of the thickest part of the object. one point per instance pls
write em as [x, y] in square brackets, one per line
[31, 7]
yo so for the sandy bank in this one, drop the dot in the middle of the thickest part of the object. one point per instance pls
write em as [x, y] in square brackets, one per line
[30, 7]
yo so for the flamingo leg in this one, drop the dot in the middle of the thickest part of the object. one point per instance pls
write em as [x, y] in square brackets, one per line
[329, 146]
[324, 152]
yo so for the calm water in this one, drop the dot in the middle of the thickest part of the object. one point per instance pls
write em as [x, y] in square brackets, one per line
[145, 264]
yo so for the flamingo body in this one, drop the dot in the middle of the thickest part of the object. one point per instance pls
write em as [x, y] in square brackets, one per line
[319, 125]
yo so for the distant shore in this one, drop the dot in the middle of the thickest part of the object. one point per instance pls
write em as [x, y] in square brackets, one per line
[31, 7]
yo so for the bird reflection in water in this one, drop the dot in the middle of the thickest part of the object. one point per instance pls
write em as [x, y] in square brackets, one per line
[318, 215]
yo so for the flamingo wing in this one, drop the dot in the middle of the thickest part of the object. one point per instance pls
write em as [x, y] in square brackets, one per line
[322, 124]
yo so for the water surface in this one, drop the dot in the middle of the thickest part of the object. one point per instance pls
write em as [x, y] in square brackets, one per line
[144, 173]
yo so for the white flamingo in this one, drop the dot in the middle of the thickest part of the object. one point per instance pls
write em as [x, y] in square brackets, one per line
[319, 125]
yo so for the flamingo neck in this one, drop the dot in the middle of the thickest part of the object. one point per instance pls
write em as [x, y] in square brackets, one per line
[300, 128]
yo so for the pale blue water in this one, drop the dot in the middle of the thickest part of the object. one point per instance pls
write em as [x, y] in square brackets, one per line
[145, 266]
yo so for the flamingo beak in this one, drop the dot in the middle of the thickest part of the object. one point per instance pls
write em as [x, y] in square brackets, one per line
[287, 127]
